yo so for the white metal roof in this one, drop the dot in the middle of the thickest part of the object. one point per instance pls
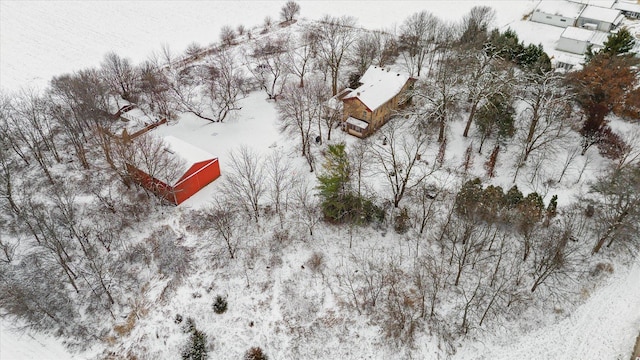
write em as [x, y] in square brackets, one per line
[357, 122]
[626, 6]
[563, 8]
[599, 38]
[600, 14]
[576, 33]
[168, 170]
[379, 85]
[335, 103]
[187, 152]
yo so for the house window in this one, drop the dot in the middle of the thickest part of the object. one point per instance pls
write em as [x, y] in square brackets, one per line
[548, 17]
[364, 114]
[563, 20]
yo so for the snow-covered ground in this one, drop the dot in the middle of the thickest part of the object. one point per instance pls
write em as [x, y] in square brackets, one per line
[20, 344]
[604, 327]
[42, 39]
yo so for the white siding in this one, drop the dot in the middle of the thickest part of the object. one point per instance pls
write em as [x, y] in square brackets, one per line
[551, 19]
[572, 46]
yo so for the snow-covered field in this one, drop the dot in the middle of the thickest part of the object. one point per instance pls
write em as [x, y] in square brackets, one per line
[42, 39]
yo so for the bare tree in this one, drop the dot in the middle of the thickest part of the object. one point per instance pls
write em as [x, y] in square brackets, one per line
[365, 52]
[360, 160]
[618, 201]
[226, 224]
[289, 11]
[475, 26]
[400, 160]
[225, 85]
[438, 94]
[245, 180]
[553, 257]
[485, 77]
[185, 90]
[299, 58]
[146, 160]
[336, 37]
[548, 108]
[29, 127]
[193, 50]
[306, 201]
[227, 35]
[418, 37]
[121, 76]
[155, 90]
[630, 155]
[270, 68]
[299, 110]
[278, 173]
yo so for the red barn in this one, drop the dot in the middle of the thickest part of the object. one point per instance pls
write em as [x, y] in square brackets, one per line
[176, 175]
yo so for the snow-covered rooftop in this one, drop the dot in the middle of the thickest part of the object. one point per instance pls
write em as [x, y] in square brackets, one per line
[357, 122]
[626, 6]
[335, 103]
[576, 33]
[379, 85]
[601, 14]
[564, 8]
[599, 38]
[601, 3]
[185, 151]
[183, 157]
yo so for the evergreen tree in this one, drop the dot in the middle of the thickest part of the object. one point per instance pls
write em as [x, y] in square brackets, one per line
[497, 117]
[513, 197]
[197, 347]
[339, 202]
[334, 182]
[619, 43]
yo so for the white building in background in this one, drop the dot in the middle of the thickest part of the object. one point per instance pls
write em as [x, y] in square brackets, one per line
[599, 18]
[557, 13]
[628, 9]
[576, 40]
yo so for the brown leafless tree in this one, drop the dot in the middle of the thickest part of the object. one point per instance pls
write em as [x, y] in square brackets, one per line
[121, 76]
[225, 86]
[400, 160]
[245, 180]
[289, 11]
[279, 175]
[336, 34]
[419, 35]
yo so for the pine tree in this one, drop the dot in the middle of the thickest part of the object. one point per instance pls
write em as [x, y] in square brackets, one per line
[334, 182]
[513, 197]
[197, 347]
[619, 43]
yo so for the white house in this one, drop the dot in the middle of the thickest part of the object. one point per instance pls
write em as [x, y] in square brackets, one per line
[630, 10]
[599, 18]
[557, 13]
[576, 40]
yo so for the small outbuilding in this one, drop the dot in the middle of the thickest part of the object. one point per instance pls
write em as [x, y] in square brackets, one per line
[599, 18]
[175, 170]
[576, 40]
[557, 13]
[628, 9]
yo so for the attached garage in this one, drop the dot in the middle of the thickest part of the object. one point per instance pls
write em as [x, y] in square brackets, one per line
[191, 170]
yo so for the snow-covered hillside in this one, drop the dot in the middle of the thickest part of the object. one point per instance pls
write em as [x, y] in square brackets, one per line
[297, 287]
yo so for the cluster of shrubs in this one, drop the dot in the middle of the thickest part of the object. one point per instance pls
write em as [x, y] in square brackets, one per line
[507, 46]
[492, 204]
